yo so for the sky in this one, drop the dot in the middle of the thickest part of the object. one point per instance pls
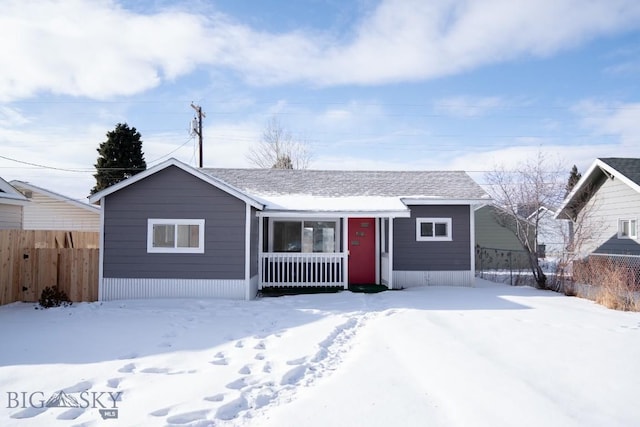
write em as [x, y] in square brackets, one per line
[388, 84]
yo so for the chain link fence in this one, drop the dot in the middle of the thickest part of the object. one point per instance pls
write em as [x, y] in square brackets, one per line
[504, 266]
[610, 279]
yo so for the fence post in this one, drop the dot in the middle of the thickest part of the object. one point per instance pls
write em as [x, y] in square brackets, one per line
[510, 270]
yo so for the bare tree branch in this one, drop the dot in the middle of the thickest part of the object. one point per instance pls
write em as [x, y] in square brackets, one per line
[278, 149]
[520, 194]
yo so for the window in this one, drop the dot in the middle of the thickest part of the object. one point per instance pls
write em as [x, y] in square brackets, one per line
[433, 229]
[627, 229]
[175, 236]
[304, 236]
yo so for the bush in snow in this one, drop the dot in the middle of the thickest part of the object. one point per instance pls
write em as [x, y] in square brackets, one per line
[53, 297]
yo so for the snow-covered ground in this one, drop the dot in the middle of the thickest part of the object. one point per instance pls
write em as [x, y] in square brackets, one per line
[493, 355]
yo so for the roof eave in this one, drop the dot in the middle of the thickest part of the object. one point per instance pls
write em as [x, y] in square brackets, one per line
[444, 201]
[587, 178]
[279, 213]
[95, 198]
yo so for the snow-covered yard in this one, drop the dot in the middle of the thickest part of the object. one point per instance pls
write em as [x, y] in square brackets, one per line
[492, 355]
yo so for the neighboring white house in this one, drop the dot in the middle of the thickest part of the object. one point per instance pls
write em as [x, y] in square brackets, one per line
[48, 210]
[607, 198]
[12, 203]
[553, 234]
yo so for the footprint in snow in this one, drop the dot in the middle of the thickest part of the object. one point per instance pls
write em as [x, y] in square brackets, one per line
[232, 409]
[215, 398]
[155, 370]
[240, 344]
[259, 356]
[29, 412]
[260, 346]
[298, 361]
[294, 375]
[128, 368]
[238, 384]
[114, 382]
[245, 370]
[188, 417]
[162, 412]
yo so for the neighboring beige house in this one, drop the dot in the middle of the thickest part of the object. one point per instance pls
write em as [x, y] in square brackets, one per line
[52, 211]
[12, 203]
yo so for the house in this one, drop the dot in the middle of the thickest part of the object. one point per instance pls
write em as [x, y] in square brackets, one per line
[52, 211]
[491, 230]
[177, 231]
[553, 233]
[606, 202]
[12, 203]
[496, 241]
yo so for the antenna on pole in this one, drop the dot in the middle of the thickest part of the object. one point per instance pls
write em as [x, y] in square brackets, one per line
[196, 127]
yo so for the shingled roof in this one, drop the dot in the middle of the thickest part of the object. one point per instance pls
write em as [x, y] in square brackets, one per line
[628, 167]
[330, 183]
[625, 169]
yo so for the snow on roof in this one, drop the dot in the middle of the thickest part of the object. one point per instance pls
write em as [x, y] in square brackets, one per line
[307, 202]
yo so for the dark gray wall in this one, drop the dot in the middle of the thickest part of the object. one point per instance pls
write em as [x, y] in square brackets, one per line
[173, 194]
[412, 255]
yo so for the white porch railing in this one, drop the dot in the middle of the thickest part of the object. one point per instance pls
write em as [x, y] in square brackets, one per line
[302, 269]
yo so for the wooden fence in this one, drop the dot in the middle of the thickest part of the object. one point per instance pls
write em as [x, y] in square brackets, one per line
[31, 260]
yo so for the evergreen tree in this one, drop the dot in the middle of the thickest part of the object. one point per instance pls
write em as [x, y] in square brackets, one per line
[574, 177]
[283, 162]
[120, 157]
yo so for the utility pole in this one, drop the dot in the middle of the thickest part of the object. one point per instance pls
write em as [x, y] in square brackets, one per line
[198, 130]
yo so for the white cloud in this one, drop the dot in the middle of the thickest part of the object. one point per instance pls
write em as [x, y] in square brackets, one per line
[11, 117]
[619, 120]
[92, 48]
[98, 49]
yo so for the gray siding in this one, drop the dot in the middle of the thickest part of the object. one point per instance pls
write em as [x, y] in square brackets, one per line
[10, 216]
[613, 201]
[173, 194]
[412, 255]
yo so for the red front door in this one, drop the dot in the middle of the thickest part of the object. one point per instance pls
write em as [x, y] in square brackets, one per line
[362, 251]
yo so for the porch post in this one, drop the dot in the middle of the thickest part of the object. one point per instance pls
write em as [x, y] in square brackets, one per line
[247, 253]
[345, 250]
[378, 248]
[260, 246]
[390, 253]
[472, 239]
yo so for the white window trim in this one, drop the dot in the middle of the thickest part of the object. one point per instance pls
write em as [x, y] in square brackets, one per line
[634, 234]
[293, 219]
[421, 238]
[153, 221]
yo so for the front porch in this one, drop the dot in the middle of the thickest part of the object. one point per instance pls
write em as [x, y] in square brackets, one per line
[320, 252]
[303, 269]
